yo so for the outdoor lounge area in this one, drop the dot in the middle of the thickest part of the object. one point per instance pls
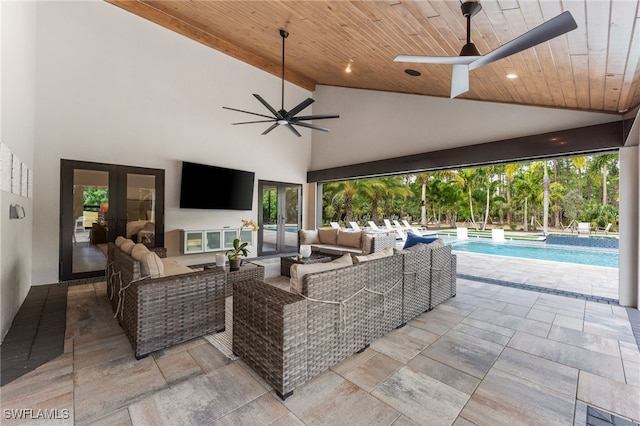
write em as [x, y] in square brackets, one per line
[493, 355]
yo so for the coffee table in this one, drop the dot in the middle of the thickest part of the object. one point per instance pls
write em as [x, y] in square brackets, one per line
[247, 271]
[287, 261]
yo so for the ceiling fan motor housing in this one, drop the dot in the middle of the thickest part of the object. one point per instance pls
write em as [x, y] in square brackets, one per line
[470, 8]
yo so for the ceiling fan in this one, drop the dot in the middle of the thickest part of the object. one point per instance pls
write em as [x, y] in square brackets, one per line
[470, 58]
[284, 117]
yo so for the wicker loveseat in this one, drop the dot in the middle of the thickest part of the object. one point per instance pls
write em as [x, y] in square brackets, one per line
[289, 338]
[159, 312]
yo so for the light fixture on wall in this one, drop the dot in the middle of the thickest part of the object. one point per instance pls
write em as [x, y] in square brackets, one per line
[284, 117]
[16, 211]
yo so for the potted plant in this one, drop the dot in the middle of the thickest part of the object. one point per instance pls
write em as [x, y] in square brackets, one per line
[234, 254]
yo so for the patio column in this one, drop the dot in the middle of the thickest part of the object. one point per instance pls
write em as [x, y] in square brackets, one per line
[629, 275]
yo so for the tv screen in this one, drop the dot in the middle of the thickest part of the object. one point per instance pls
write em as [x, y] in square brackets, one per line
[210, 187]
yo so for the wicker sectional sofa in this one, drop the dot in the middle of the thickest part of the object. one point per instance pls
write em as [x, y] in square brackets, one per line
[337, 242]
[161, 311]
[290, 337]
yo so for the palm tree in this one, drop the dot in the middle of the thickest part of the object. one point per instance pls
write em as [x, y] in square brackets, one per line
[545, 187]
[579, 163]
[509, 172]
[469, 177]
[601, 163]
[345, 191]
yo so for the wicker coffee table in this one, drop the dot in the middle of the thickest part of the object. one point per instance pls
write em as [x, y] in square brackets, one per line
[287, 261]
[247, 271]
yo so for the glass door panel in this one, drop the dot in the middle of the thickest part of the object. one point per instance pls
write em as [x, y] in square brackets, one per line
[90, 207]
[291, 218]
[141, 206]
[269, 226]
[280, 217]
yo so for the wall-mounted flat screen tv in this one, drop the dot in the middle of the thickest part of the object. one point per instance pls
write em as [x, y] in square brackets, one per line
[210, 187]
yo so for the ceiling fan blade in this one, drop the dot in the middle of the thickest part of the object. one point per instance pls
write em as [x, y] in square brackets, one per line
[252, 122]
[316, 117]
[302, 105]
[273, 126]
[311, 126]
[269, 107]
[554, 27]
[459, 80]
[295, 132]
[444, 60]
[247, 112]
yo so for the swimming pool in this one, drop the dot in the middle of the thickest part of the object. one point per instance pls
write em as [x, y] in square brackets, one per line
[537, 250]
[287, 228]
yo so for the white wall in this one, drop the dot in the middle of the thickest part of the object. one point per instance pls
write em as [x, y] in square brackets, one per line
[379, 125]
[114, 88]
[17, 79]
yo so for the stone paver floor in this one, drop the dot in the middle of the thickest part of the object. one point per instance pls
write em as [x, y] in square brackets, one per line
[492, 355]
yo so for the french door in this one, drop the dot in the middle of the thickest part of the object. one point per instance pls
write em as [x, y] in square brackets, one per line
[280, 217]
[100, 201]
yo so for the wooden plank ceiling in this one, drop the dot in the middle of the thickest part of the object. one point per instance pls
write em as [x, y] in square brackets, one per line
[595, 67]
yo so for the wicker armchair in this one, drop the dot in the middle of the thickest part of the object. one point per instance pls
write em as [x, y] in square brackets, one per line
[157, 313]
[290, 338]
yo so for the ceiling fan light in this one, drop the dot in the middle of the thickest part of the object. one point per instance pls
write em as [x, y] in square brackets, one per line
[282, 122]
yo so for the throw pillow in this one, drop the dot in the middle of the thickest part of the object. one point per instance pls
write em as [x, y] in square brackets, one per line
[350, 239]
[151, 265]
[413, 239]
[298, 271]
[139, 251]
[367, 239]
[328, 236]
[127, 246]
[377, 255]
[119, 241]
[309, 236]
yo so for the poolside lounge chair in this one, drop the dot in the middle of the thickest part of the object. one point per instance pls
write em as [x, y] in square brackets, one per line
[355, 226]
[462, 233]
[387, 224]
[497, 235]
[335, 225]
[605, 229]
[584, 228]
[375, 230]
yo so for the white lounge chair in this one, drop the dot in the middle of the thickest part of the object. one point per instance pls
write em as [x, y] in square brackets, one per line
[375, 230]
[584, 228]
[462, 233]
[400, 233]
[497, 235]
[355, 226]
[606, 229]
[335, 225]
[387, 224]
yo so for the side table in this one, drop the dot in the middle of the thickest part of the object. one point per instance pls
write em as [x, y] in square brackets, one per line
[287, 261]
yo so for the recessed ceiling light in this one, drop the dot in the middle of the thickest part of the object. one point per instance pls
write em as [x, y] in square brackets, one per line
[413, 73]
[512, 76]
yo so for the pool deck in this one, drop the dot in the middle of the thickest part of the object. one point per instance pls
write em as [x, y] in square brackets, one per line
[595, 281]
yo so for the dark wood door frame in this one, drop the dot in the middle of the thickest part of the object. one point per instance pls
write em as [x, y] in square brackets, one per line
[117, 218]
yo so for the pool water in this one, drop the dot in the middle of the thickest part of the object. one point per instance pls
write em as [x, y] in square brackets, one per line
[538, 250]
